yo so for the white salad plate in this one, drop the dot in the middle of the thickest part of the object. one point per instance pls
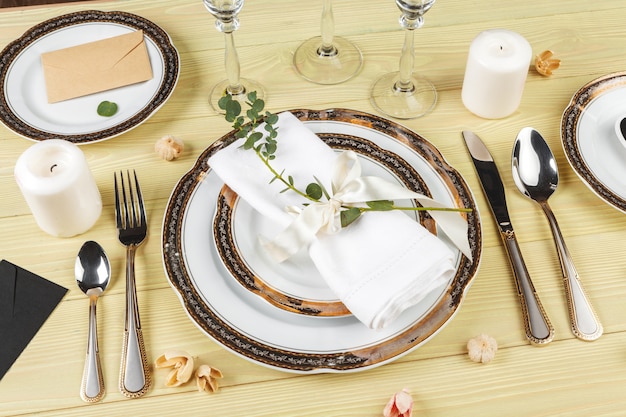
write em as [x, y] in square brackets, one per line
[590, 142]
[250, 326]
[295, 284]
[24, 106]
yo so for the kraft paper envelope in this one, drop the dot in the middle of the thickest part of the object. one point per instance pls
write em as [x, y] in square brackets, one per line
[96, 66]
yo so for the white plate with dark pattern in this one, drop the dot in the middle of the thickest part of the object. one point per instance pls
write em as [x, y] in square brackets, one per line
[24, 106]
[251, 327]
[295, 285]
[591, 144]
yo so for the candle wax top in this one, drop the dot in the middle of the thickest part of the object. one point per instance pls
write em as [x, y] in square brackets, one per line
[501, 50]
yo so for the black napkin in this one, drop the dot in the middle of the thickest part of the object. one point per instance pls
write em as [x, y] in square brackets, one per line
[26, 301]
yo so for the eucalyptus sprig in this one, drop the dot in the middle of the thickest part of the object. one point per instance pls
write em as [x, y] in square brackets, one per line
[265, 146]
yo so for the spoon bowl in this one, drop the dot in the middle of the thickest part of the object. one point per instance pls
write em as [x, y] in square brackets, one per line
[536, 175]
[93, 272]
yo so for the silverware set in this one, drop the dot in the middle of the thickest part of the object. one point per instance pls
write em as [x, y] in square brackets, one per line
[92, 270]
[535, 174]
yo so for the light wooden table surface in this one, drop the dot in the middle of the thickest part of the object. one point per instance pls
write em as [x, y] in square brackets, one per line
[567, 377]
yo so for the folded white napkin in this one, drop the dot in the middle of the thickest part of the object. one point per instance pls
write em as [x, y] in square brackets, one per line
[379, 265]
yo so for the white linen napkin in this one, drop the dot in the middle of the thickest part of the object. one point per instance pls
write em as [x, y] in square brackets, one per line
[379, 265]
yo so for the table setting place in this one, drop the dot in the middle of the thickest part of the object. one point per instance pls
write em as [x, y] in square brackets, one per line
[272, 234]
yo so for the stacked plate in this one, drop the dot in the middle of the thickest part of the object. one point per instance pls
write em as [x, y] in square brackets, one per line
[283, 315]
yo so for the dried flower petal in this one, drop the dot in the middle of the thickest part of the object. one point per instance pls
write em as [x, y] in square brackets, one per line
[482, 348]
[206, 378]
[182, 364]
[400, 405]
[545, 64]
[169, 147]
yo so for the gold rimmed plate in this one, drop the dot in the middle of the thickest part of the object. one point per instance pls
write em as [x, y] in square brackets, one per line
[24, 106]
[295, 285]
[248, 325]
[590, 141]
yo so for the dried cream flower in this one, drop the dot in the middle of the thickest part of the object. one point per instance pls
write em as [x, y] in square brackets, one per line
[400, 405]
[482, 348]
[169, 147]
[206, 378]
[545, 64]
[182, 364]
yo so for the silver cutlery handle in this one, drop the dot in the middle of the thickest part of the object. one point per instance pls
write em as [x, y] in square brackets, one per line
[135, 376]
[92, 386]
[583, 319]
[539, 330]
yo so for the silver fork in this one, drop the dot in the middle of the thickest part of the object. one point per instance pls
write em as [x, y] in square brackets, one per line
[130, 217]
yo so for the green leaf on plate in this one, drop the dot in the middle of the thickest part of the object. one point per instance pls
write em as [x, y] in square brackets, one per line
[107, 108]
[350, 215]
[381, 205]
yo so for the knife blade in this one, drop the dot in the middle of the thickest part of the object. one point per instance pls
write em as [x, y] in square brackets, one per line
[539, 330]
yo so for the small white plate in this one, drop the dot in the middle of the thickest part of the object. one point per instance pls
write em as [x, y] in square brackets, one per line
[24, 106]
[296, 285]
[590, 142]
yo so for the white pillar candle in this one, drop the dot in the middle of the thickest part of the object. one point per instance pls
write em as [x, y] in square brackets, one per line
[61, 192]
[497, 66]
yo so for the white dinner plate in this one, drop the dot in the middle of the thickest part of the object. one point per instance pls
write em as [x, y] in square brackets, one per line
[590, 141]
[295, 284]
[247, 325]
[24, 106]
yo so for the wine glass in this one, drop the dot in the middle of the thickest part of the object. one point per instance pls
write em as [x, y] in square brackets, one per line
[226, 14]
[402, 94]
[327, 59]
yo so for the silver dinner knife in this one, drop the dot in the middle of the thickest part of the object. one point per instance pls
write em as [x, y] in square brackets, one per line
[539, 330]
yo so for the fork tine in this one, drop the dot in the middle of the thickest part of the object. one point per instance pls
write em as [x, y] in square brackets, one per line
[142, 209]
[118, 207]
[126, 209]
[132, 209]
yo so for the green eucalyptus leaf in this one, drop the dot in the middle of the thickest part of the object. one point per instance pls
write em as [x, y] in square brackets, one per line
[380, 205]
[270, 147]
[257, 106]
[349, 216]
[222, 103]
[271, 118]
[252, 96]
[248, 144]
[322, 187]
[314, 191]
[107, 108]
[255, 136]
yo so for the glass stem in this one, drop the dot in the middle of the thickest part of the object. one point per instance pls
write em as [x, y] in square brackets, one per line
[328, 30]
[407, 59]
[231, 60]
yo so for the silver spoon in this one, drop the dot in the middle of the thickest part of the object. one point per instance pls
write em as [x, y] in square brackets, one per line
[536, 175]
[92, 270]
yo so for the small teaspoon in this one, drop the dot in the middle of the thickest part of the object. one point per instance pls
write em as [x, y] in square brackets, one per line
[93, 271]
